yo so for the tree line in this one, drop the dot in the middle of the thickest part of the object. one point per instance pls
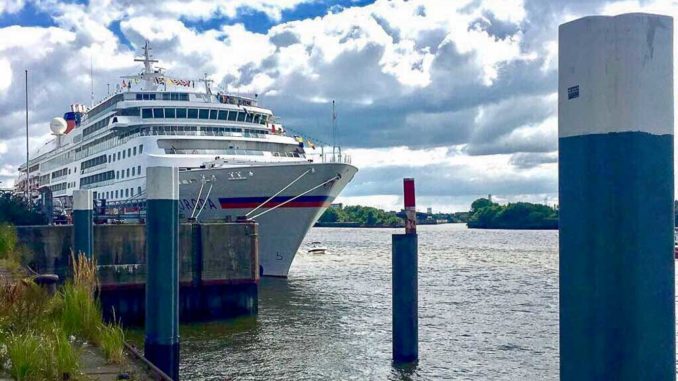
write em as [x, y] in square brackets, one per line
[486, 214]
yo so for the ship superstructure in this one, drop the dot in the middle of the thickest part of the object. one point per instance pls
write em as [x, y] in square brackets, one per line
[234, 157]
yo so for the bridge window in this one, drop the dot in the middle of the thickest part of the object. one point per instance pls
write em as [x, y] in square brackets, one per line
[158, 113]
[169, 113]
[204, 113]
[213, 114]
[232, 115]
[146, 113]
[192, 113]
[181, 113]
[241, 117]
[222, 114]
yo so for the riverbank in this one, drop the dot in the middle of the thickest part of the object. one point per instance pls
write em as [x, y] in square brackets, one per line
[48, 333]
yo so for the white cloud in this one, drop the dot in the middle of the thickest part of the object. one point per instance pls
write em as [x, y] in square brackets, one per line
[11, 6]
[5, 75]
[431, 82]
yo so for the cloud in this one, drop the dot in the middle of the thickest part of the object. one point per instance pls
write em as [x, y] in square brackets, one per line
[461, 95]
[11, 6]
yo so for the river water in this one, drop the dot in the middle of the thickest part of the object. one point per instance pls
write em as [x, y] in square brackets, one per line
[488, 309]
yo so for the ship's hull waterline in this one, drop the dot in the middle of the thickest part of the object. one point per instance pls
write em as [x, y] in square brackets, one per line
[234, 191]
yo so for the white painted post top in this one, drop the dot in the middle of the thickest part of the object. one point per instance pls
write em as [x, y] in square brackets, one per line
[615, 74]
[162, 183]
[83, 199]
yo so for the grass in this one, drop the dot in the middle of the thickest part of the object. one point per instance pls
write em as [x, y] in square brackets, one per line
[41, 334]
[9, 257]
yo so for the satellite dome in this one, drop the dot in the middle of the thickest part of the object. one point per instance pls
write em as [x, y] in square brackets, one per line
[58, 126]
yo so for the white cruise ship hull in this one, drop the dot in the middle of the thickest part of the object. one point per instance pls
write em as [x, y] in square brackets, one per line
[283, 220]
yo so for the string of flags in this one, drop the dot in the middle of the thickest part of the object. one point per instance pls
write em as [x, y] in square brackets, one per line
[176, 82]
[300, 139]
[161, 81]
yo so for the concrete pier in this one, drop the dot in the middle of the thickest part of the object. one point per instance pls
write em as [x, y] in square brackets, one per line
[83, 232]
[218, 267]
[615, 110]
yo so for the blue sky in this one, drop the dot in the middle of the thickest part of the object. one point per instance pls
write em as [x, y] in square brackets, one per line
[458, 94]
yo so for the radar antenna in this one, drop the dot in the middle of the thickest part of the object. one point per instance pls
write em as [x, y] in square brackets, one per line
[147, 59]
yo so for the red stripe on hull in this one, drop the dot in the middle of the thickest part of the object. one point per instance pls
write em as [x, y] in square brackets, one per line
[293, 204]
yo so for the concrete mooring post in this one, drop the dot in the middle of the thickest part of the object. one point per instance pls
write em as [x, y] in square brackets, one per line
[161, 344]
[83, 229]
[404, 285]
[615, 111]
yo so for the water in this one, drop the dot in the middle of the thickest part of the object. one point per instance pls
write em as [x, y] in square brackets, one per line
[488, 310]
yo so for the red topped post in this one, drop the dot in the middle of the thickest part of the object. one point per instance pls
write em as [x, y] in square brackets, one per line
[410, 207]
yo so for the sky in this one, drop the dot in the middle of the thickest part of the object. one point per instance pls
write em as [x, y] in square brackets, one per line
[461, 95]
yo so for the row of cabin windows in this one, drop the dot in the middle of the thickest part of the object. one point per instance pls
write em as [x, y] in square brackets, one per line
[102, 107]
[93, 162]
[99, 177]
[126, 153]
[203, 113]
[57, 187]
[96, 127]
[163, 96]
[126, 173]
[128, 192]
[60, 173]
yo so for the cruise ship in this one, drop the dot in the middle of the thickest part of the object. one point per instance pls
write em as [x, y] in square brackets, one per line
[236, 160]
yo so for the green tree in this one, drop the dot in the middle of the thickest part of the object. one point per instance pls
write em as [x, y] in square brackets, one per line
[14, 210]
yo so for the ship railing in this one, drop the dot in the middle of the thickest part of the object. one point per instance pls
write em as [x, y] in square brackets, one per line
[335, 158]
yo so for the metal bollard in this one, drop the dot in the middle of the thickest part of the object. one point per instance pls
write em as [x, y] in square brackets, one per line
[161, 344]
[615, 111]
[83, 229]
[404, 285]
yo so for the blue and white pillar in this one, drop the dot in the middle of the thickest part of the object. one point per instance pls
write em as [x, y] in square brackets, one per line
[161, 344]
[83, 229]
[615, 128]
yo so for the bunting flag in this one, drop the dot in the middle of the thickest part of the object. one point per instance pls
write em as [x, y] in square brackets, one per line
[299, 139]
[310, 144]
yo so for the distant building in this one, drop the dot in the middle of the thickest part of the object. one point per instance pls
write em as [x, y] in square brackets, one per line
[429, 210]
[338, 205]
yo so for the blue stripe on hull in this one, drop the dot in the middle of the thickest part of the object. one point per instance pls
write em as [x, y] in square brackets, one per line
[617, 317]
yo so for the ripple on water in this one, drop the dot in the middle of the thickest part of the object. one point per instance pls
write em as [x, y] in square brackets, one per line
[488, 310]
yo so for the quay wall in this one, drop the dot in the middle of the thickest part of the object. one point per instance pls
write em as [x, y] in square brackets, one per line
[218, 265]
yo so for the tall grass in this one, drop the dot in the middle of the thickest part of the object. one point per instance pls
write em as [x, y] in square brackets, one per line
[7, 240]
[112, 342]
[9, 258]
[35, 327]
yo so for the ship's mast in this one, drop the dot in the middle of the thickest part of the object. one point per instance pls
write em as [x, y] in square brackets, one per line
[334, 131]
[148, 74]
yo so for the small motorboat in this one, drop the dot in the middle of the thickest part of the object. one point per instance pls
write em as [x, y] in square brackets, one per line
[317, 248]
